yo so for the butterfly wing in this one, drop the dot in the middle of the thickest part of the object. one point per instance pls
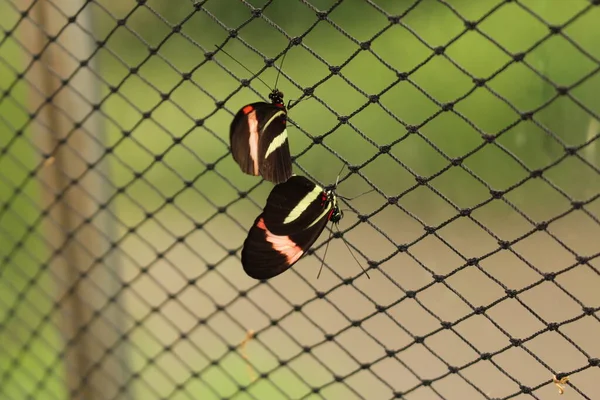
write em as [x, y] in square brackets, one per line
[244, 137]
[295, 205]
[275, 162]
[266, 255]
[258, 140]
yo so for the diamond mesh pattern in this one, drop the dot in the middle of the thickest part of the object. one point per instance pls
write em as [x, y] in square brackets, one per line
[476, 124]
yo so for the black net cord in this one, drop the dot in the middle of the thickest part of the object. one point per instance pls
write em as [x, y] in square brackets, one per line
[479, 142]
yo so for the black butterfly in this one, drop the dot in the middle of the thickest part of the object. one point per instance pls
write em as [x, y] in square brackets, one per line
[293, 218]
[259, 140]
[258, 135]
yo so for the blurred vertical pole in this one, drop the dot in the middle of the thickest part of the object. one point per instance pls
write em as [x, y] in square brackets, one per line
[79, 226]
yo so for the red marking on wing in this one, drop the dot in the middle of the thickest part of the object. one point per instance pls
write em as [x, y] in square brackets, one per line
[282, 244]
[330, 214]
[253, 138]
[247, 110]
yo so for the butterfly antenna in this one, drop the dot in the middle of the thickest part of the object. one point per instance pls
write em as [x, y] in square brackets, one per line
[357, 196]
[352, 254]
[337, 180]
[280, 67]
[243, 66]
[326, 247]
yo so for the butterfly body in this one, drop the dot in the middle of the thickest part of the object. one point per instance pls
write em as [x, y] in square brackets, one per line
[259, 140]
[294, 217]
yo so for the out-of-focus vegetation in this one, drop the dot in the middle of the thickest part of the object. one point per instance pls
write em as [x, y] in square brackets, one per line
[125, 62]
[534, 142]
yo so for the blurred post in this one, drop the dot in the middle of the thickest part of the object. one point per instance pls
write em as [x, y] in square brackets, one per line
[91, 317]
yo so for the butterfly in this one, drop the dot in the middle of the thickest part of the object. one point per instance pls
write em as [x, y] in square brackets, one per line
[258, 136]
[295, 215]
[259, 139]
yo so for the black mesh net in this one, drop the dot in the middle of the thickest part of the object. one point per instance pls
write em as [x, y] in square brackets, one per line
[122, 212]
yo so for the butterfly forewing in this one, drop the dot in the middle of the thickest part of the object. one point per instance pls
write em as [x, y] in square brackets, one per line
[295, 205]
[266, 255]
[273, 149]
[259, 142]
[243, 137]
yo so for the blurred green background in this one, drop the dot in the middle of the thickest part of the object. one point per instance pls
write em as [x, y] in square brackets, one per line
[569, 61]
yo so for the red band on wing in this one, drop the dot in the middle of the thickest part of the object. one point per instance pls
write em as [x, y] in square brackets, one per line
[253, 138]
[247, 109]
[282, 244]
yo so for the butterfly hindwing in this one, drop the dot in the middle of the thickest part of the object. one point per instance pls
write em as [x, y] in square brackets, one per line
[258, 140]
[266, 255]
[295, 205]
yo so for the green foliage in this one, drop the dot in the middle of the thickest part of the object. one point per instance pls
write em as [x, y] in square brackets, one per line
[511, 88]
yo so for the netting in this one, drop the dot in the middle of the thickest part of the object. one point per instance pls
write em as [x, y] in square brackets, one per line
[122, 212]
